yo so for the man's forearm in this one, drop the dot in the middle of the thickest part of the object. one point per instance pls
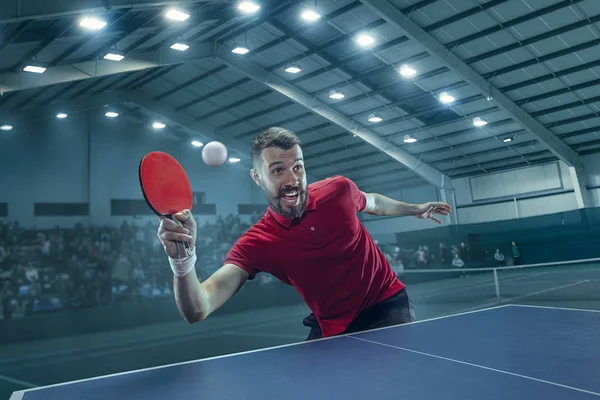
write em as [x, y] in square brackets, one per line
[191, 297]
[384, 206]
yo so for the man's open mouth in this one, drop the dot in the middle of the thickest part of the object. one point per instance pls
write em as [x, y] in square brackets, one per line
[290, 196]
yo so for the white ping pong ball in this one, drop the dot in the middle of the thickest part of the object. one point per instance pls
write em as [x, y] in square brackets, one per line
[214, 154]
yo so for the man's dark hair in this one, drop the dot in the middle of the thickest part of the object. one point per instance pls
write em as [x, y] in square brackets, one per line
[272, 137]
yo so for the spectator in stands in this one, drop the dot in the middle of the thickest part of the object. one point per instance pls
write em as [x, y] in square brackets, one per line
[6, 296]
[396, 255]
[122, 273]
[499, 257]
[3, 251]
[254, 218]
[444, 254]
[453, 251]
[457, 262]
[44, 244]
[463, 252]
[516, 254]
[421, 257]
[31, 274]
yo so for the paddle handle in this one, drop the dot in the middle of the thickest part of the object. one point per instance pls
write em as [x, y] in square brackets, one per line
[183, 248]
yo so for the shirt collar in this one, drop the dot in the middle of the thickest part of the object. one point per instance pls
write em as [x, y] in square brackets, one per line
[311, 205]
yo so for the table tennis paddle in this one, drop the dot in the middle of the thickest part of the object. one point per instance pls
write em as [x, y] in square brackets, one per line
[166, 188]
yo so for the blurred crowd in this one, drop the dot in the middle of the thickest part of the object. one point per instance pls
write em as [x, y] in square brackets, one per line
[447, 256]
[47, 270]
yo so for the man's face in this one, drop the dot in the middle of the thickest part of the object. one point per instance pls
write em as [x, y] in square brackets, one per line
[283, 179]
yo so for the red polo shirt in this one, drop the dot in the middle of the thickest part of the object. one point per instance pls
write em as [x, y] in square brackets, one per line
[327, 255]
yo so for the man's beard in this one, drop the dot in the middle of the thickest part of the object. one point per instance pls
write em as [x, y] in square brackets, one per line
[287, 211]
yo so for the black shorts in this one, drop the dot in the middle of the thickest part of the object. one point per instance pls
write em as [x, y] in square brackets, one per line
[394, 310]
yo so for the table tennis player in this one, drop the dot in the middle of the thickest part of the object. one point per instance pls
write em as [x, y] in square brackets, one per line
[311, 238]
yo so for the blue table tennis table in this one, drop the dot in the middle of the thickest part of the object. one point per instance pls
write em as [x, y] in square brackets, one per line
[508, 352]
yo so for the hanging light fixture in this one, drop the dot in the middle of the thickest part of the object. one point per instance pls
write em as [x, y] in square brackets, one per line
[409, 139]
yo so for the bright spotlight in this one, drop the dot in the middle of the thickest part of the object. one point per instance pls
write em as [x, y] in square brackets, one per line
[365, 39]
[114, 56]
[94, 24]
[180, 46]
[336, 95]
[409, 139]
[293, 69]
[407, 71]
[36, 69]
[310, 15]
[479, 122]
[248, 6]
[446, 98]
[240, 50]
[177, 15]
[375, 118]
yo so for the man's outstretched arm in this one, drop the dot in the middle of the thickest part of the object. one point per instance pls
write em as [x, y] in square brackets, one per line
[381, 205]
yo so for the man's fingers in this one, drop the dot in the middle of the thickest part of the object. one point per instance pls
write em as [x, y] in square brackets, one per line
[170, 225]
[445, 206]
[167, 236]
[436, 220]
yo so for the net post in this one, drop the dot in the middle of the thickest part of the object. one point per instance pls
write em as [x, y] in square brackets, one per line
[496, 282]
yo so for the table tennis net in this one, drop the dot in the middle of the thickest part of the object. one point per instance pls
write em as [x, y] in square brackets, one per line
[566, 282]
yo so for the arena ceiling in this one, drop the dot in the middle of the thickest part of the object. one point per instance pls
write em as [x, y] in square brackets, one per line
[481, 85]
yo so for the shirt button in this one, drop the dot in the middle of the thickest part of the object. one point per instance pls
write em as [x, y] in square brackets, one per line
[312, 228]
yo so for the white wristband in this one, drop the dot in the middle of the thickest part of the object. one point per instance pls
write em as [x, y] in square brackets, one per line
[183, 266]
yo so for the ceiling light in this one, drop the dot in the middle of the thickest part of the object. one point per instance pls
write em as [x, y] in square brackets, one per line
[35, 69]
[407, 71]
[158, 125]
[248, 6]
[336, 95]
[479, 122]
[365, 39]
[112, 114]
[196, 143]
[114, 56]
[234, 160]
[61, 115]
[409, 139]
[6, 127]
[92, 23]
[446, 98]
[240, 50]
[177, 15]
[180, 46]
[375, 118]
[310, 15]
[293, 69]
[508, 139]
